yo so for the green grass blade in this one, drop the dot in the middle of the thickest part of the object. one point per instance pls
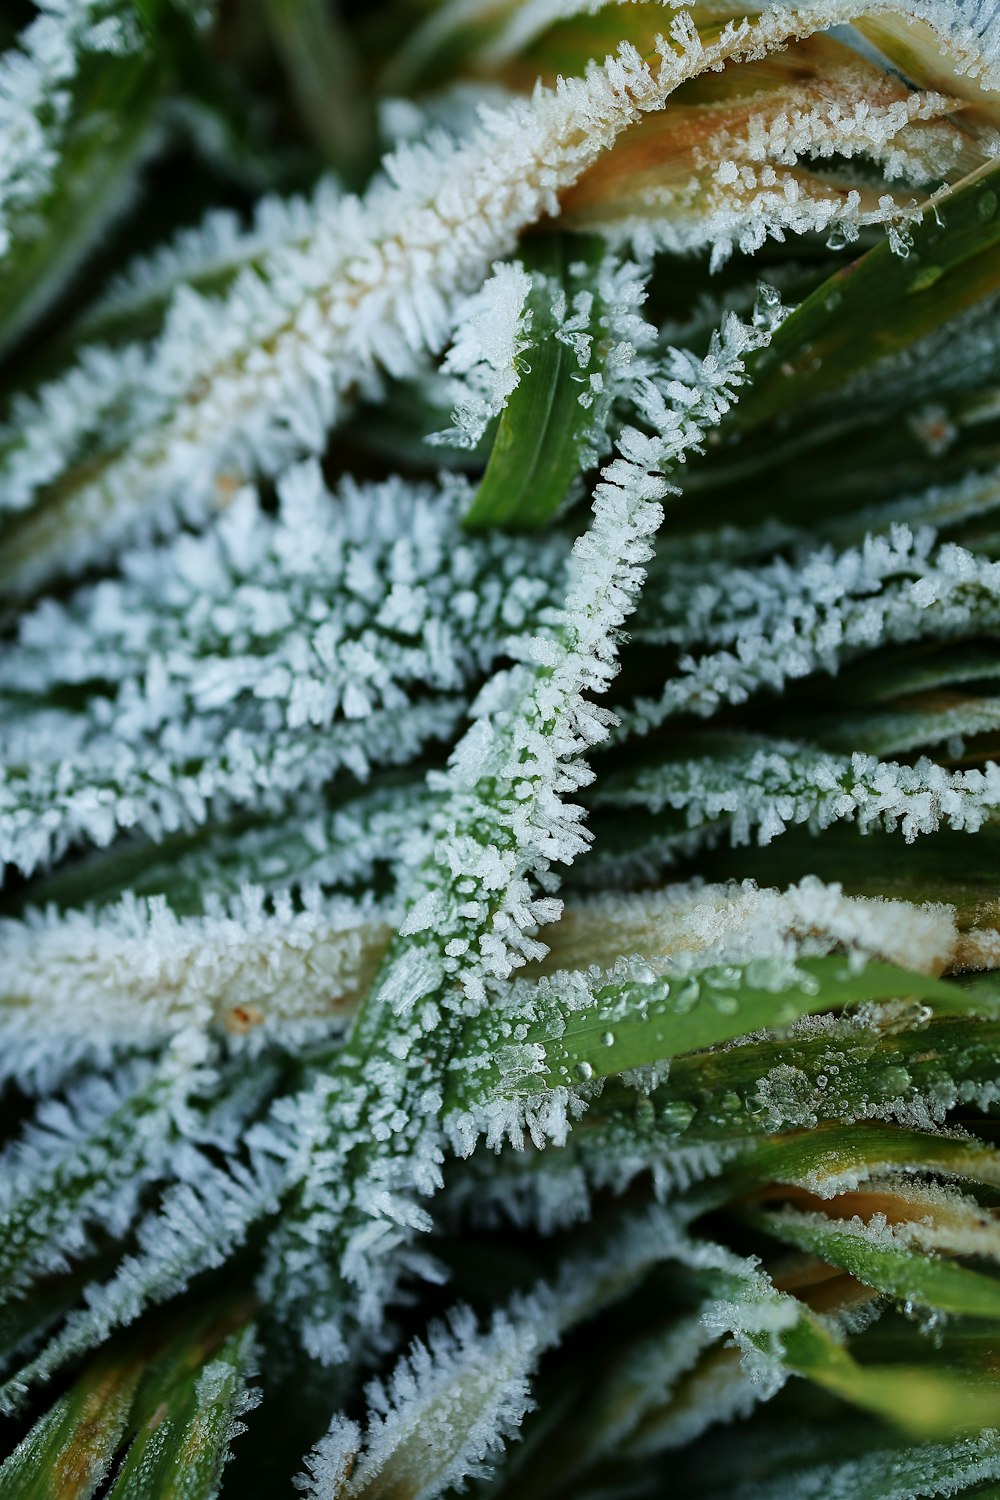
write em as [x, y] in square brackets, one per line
[824, 1159]
[637, 1024]
[177, 1399]
[542, 431]
[912, 1278]
[70, 1450]
[187, 1427]
[920, 1399]
[882, 303]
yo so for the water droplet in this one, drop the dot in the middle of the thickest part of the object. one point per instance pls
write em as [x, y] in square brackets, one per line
[895, 1081]
[608, 1039]
[677, 1115]
[686, 995]
[767, 310]
[731, 1102]
[900, 240]
[986, 206]
[821, 1080]
[832, 300]
[726, 1005]
[722, 977]
[584, 1072]
[720, 983]
[926, 278]
[837, 238]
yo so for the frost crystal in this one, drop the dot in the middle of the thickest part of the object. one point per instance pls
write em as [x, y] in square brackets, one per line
[493, 328]
[501, 825]
[762, 788]
[256, 659]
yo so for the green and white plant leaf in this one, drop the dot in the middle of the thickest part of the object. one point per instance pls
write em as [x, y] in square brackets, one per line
[480, 971]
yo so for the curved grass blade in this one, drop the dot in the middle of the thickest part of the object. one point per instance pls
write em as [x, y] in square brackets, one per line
[188, 1420]
[895, 1271]
[920, 1399]
[829, 1159]
[637, 1024]
[543, 430]
[176, 1398]
[882, 303]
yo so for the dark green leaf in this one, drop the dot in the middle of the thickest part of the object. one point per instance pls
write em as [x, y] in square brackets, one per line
[537, 450]
[882, 303]
[913, 1278]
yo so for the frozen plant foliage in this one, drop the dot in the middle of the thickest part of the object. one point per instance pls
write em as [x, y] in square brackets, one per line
[940, 1219]
[212, 251]
[200, 1223]
[929, 1470]
[210, 406]
[754, 166]
[737, 922]
[810, 587]
[493, 328]
[331, 608]
[593, 311]
[84, 1162]
[195, 771]
[315, 842]
[451, 1403]
[256, 1017]
[457, 1399]
[788, 619]
[80, 97]
[134, 974]
[968, 28]
[354, 298]
[36, 81]
[257, 657]
[729, 944]
[502, 823]
[762, 787]
[534, 737]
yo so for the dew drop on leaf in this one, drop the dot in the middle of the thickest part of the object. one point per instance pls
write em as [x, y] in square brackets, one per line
[677, 1115]
[895, 1080]
[686, 996]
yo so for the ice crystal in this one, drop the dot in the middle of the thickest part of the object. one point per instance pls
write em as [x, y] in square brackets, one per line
[493, 328]
[254, 657]
[762, 788]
